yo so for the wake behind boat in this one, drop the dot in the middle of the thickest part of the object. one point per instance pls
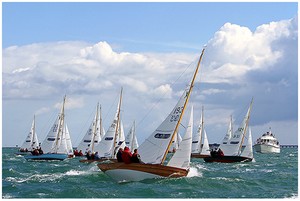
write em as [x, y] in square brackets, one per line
[154, 149]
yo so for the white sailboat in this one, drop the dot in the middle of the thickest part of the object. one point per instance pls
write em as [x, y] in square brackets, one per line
[54, 146]
[200, 145]
[106, 148]
[175, 143]
[131, 140]
[232, 150]
[93, 134]
[154, 149]
[31, 142]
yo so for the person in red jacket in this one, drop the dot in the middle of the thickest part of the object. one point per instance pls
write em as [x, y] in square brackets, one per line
[126, 155]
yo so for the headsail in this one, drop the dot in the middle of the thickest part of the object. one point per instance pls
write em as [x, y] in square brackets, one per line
[248, 151]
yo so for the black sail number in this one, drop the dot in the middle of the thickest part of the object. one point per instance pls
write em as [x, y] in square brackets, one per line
[176, 114]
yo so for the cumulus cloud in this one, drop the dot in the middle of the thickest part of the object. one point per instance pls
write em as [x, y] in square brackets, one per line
[238, 64]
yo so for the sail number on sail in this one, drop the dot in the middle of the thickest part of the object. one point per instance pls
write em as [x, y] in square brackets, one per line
[176, 114]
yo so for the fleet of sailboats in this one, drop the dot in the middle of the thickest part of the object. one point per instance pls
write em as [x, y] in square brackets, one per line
[153, 151]
[55, 145]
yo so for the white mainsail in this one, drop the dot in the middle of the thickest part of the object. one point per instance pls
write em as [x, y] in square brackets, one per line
[106, 147]
[92, 136]
[53, 138]
[68, 141]
[248, 150]
[205, 150]
[121, 137]
[234, 145]
[131, 140]
[182, 156]
[31, 140]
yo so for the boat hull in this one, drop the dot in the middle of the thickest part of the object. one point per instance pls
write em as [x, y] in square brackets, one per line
[99, 160]
[47, 157]
[227, 159]
[265, 148]
[137, 171]
[199, 156]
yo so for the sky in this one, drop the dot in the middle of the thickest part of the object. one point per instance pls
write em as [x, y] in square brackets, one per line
[88, 51]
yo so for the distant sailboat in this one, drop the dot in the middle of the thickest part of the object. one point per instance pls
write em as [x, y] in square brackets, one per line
[55, 145]
[175, 143]
[106, 148]
[30, 142]
[200, 145]
[93, 135]
[154, 149]
[232, 150]
[131, 140]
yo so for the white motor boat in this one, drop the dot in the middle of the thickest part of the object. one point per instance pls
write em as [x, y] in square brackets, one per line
[267, 143]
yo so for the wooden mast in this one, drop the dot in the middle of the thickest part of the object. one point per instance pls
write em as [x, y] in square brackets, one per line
[247, 122]
[118, 122]
[95, 128]
[184, 106]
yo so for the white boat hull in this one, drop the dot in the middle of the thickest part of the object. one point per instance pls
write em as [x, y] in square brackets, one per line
[120, 175]
[265, 148]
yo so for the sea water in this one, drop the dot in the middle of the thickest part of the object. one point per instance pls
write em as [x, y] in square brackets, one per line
[270, 176]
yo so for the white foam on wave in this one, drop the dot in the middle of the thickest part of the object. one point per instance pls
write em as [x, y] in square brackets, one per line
[194, 172]
[75, 173]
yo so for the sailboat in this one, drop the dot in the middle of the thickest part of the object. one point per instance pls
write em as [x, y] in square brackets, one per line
[131, 140]
[106, 148]
[30, 142]
[55, 145]
[175, 143]
[200, 145]
[232, 149]
[154, 149]
[93, 135]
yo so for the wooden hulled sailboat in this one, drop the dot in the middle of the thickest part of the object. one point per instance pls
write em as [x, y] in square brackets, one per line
[232, 147]
[154, 149]
[200, 145]
[106, 148]
[31, 142]
[55, 145]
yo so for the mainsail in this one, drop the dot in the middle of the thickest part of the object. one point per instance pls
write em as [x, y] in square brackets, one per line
[154, 149]
[131, 140]
[182, 156]
[31, 140]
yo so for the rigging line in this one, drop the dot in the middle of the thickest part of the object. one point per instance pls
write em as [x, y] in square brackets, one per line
[113, 103]
[159, 100]
[84, 126]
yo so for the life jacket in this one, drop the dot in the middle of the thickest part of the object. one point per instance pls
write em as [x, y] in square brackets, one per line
[126, 155]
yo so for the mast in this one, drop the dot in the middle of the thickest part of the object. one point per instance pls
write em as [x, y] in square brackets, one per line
[101, 123]
[118, 122]
[201, 131]
[95, 128]
[33, 132]
[184, 106]
[133, 135]
[247, 122]
[60, 125]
